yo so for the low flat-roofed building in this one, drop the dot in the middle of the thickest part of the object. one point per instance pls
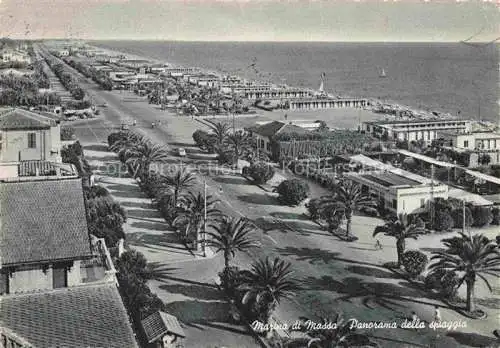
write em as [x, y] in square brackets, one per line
[279, 93]
[78, 317]
[326, 103]
[415, 129]
[472, 141]
[401, 191]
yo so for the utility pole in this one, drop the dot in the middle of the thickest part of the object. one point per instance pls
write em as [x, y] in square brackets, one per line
[432, 195]
[464, 220]
[203, 245]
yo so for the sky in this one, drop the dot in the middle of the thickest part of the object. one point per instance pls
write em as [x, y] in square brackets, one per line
[252, 20]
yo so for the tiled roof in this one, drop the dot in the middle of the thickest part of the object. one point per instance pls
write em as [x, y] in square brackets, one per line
[42, 220]
[30, 168]
[78, 317]
[160, 323]
[22, 119]
[269, 129]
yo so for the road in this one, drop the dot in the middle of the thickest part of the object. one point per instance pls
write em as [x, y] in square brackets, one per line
[335, 276]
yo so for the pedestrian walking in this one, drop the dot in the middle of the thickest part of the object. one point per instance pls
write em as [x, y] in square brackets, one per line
[378, 245]
[437, 314]
[414, 319]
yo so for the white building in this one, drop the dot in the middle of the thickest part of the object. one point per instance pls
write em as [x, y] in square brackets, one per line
[326, 103]
[414, 130]
[402, 192]
[472, 141]
[28, 136]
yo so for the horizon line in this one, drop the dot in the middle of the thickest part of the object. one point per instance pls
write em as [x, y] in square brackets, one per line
[247, 41]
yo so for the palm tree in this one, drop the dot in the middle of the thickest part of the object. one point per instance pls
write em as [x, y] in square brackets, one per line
[143, 154]
[178, 182]
[472, 257]
[266, 284]
[401, 228]
[340, 335]
[239, 143]
[194, 213]
[231, 235]
[349, 198]
[220, 131]
[128, 140]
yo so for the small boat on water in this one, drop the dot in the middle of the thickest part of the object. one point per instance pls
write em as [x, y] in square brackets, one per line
[382, 73]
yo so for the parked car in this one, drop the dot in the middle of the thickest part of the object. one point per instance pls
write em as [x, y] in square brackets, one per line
[181, 152]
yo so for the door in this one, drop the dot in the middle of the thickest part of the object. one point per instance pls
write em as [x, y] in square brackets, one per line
[59, 277]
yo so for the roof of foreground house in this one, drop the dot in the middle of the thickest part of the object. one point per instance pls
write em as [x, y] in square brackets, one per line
[160, 323]
[77, 317]
[270, 129]
[43, 221]
[19, 119]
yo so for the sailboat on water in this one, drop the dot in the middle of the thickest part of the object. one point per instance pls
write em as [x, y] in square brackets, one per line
[382, 73]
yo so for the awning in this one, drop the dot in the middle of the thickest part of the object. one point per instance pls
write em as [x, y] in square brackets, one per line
[427, 159]
[468, 197]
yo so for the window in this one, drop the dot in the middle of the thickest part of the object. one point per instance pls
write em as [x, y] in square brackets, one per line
[394, 204]
[466, 143]
[268, 146]
[422, 202]
[32, 140]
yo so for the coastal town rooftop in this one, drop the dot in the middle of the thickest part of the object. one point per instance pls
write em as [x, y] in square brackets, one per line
[36, 214]
[82, 316]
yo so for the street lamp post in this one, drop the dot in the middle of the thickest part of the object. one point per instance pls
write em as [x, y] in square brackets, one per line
[203, 245]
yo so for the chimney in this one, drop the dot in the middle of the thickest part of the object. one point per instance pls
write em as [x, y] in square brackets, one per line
[121, 248]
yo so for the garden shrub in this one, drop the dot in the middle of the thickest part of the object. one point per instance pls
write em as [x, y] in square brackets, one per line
[226, 157]
[114, 137]
[292, 192]
[105, 219]
[260, 172]
[443, 221]
[482, 216]
[95, 191]
[204, 140]
[414, 262]
[332, 217]
[457, 215]
[445, 282]
[67, 133]
[132, 275]
[495, 216]
[313, 208]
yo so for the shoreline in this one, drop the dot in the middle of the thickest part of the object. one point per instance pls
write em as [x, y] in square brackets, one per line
[393, 105]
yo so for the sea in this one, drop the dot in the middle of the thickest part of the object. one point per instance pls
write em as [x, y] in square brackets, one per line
[455, 78]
